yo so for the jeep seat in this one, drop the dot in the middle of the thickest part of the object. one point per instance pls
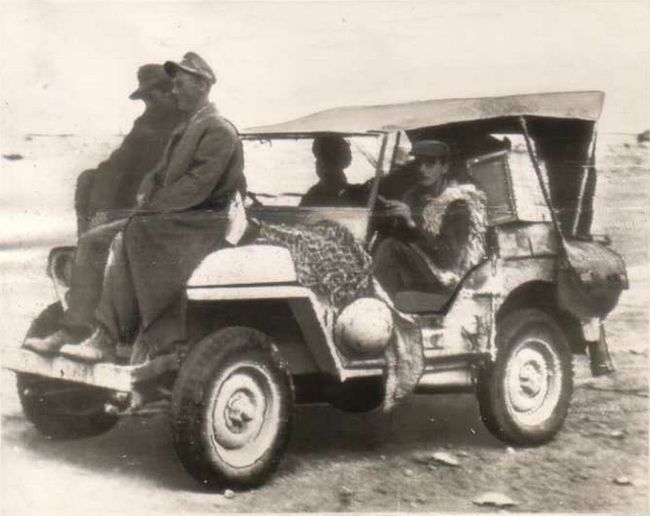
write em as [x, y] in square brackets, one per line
[416, 302]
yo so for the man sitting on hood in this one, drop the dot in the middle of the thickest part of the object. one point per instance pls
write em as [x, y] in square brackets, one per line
[184, 214]
[112, 186]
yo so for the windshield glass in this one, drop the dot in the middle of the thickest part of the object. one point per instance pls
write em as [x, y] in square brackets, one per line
[526, 188]
[281, 172]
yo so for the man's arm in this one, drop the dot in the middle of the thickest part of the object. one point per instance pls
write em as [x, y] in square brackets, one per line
[147, 187]
[209, 163]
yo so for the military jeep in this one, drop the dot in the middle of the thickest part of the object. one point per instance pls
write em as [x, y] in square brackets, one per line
[261, 341]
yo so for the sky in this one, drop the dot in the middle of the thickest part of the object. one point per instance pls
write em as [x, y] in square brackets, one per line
[68, 67]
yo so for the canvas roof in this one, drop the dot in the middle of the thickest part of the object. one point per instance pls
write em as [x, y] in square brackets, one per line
[578, 105]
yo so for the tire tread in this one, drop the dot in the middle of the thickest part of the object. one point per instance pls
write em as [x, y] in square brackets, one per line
[189, 397]
[490, 389]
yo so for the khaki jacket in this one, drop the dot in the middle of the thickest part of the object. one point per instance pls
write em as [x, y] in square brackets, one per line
[201, 166]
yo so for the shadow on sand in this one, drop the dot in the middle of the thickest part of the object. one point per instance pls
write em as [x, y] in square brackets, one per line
[142, 447]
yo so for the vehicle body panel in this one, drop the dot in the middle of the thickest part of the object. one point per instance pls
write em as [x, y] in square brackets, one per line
[245, 265]
[110, 376]
[312, 315]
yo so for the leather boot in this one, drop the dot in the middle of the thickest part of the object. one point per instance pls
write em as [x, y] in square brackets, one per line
[600, 361]
[99, 347]
[51, 344]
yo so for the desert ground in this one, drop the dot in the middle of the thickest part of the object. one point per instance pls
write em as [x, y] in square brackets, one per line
[335, 461]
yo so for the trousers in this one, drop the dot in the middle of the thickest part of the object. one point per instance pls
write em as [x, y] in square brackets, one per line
[129, 276]
[117, 311]
[100, 289]
[399, 267]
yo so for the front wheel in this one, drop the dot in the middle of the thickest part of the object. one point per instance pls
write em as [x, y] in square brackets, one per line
[64, 410]
[231, 409]
[524, 395]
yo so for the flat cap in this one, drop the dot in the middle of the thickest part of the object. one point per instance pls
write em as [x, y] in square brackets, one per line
[149, 76]
[430, 149]
[194, 64]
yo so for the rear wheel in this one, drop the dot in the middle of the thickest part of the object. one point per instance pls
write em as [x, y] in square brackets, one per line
[57, 408]
[525, 395]
[231, 409]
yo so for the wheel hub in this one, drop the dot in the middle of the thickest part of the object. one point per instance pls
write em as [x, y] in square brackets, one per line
[532, 381]
[240, 410]
[238, 414]
[244, 412]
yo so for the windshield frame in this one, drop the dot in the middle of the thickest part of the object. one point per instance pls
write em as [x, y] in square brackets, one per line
[379, 166]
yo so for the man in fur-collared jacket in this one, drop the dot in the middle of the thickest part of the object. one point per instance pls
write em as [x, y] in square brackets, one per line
[437, 230]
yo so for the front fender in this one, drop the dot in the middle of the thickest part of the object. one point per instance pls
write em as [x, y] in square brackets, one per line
[245, 265]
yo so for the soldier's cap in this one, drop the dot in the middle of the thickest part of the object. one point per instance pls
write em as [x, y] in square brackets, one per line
[194, 64]
[429, 150]
[149, 76]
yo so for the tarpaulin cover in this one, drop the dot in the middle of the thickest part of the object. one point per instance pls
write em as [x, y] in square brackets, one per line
[578, 105]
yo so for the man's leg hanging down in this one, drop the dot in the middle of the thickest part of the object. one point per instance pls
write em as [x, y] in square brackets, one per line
[78, 321]
[116, 315]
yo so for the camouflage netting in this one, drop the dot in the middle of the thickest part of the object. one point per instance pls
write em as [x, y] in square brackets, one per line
[327, 259]
[404, 362]
[330, 262]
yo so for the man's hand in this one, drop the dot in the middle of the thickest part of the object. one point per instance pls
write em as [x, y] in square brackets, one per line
[398, 209]
[101, 217]
[448, 278]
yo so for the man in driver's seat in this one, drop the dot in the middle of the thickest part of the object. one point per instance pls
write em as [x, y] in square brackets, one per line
[436, 230]
[333, 156]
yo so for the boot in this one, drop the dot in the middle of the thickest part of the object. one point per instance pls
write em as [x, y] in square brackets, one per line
[99, 347]
[51, 344]
[599, 360]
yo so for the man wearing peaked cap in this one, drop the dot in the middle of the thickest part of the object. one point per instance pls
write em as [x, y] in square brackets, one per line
[150, 76]
[429, 151]
[436, 231]
[114, 183]
[194, 64]
[186, 207]
[192, 79]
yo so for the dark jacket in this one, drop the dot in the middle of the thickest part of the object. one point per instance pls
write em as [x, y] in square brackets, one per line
[328, 191]
[114, 183]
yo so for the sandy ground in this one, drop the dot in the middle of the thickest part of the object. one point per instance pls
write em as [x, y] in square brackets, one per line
[342, 462]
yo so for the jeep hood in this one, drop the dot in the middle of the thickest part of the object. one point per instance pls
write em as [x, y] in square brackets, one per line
[246, 265]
